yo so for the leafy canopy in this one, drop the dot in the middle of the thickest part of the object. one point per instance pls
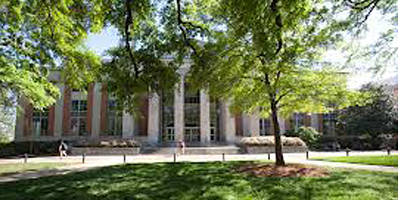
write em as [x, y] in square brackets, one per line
[269, 53]
[39, 36]
[379, 116]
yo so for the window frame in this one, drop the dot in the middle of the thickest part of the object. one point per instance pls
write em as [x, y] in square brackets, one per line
[80, 116]
[43, 117]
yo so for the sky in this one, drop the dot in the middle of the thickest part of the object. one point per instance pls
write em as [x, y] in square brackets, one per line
[109, 37]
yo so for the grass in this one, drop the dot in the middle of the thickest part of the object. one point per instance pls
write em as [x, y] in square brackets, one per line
[23, 167]
[200, 181]
[368, 160]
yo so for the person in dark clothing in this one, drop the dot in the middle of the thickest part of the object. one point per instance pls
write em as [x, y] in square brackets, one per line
[63, 149]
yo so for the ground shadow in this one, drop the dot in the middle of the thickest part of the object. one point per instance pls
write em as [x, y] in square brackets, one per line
[214, 180]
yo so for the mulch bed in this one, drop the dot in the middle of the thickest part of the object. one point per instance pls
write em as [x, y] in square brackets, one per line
[289, 170]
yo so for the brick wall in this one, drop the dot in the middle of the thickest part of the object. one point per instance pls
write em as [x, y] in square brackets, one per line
[239, 125]
[320, 122]
[51, 120]
[89, 112]
[66, 111]
[28, 114]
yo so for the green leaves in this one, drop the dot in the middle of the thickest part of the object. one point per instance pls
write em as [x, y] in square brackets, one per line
[30, 84]
[376, 116]
[270, 55]
[41, 36]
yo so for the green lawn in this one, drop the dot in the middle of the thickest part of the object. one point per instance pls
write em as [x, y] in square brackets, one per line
[200, 181]
[368, 160]
[22, 167]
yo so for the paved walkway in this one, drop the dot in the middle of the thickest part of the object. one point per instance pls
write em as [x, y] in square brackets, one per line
[100, 161]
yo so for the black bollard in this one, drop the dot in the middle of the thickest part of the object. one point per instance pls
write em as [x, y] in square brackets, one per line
[269, 156]
[83, 158]
[347, 151]
[124, 158]
[307, 155]
[25, 158]
[174, 157]
[223, 157]
[388, 150]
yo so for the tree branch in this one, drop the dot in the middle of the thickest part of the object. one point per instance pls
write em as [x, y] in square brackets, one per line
[128, 23]
[278, 23]
[361, 6]
[282, 95]
[183, 28]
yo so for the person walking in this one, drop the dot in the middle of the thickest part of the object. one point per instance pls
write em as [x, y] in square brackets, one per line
[63, 149]
[181, 147]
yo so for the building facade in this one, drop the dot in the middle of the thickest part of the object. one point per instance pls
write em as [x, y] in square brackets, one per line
[186, 115]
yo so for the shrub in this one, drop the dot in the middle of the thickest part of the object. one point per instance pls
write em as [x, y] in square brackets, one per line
[307, 134]
[4, 139]
[119, 143]
[269, 141]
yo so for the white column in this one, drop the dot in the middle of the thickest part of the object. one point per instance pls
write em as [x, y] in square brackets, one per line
[58, 114]
[314, 121]
[127, 125]
[153, 118]
[204, 117]
[96, 115]
[228, 123]
[179, 121]
[255, 124]
[251, 124]
[281, 121]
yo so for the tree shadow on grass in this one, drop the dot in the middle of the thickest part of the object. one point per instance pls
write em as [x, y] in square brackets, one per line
[181, 181]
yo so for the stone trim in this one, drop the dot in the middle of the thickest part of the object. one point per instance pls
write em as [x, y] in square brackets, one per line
[204, 117]
[179, 114]
[105, 151]
[96, 111]
[153, 118]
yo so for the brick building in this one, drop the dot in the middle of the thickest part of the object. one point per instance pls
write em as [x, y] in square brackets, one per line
[192, 116]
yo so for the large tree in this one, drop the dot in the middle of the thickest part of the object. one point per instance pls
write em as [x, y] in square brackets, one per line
[39, 36]
[378, 116]
[266, 58]
[262, 53]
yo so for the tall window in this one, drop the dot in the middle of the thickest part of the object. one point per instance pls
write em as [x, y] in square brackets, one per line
[192, 115]
[40, 122]
[167, 117]
[265, 125]
[114, 119]
[214, 119]
[78, 117]
[299, 120]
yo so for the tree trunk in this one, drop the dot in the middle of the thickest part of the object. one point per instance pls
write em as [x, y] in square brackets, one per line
[278, 144]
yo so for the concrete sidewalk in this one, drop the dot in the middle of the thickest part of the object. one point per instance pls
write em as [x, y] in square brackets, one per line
[101, 161]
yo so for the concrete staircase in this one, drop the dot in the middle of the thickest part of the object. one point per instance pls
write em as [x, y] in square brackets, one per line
[192, 150]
